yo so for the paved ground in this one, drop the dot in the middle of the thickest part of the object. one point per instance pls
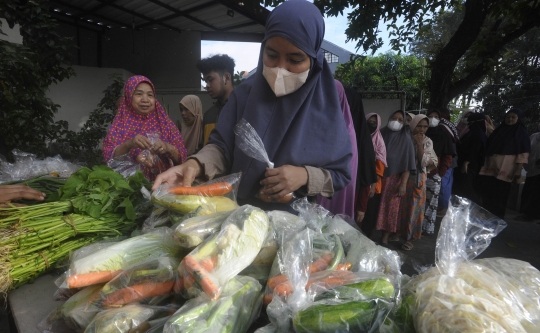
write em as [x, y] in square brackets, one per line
[519, 240]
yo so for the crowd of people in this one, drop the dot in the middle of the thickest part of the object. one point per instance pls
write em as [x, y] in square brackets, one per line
[395, 176]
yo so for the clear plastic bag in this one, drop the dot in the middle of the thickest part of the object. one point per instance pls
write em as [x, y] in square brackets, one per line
[105, 264]
[231, 312]
[124, 165]
[461, 294]
[127, 319]
[73, 315]
[219, 258]
[251, 144]
[139, 283]
[151, 160]
[201, 197]
[193, 231]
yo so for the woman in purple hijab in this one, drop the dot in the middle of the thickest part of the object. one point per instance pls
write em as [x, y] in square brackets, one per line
[343, 201]
[293, 105]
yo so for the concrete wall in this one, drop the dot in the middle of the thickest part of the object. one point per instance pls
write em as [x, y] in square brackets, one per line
[383, 107]
[80, 95]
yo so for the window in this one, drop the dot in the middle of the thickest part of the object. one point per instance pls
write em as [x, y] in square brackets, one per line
[330, 57]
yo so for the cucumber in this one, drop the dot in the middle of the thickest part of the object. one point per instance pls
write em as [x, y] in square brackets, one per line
[345, 317]
[369, 289]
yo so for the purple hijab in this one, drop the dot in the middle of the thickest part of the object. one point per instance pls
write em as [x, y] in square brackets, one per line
[343, 201]
[302, 128]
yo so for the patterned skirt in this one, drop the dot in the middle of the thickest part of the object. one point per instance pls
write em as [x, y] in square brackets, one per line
[433, 188]
[389, 209]
[413, 207]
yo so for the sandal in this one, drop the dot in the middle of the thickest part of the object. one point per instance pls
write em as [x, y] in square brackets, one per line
[407, 246]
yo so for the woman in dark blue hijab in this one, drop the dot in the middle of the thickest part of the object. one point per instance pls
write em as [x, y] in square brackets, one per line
[293, 105]
[507, 149]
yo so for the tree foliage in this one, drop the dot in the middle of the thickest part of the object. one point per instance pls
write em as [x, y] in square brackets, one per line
[386, 72]
[26, 71]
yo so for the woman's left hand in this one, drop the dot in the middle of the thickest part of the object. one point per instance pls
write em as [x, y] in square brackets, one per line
[401, 191]
[160, 147]
[283, 180]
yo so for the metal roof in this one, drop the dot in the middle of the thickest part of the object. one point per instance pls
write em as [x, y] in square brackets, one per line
[216, 19]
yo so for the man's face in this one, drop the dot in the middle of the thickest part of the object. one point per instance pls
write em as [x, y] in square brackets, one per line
[215, 84]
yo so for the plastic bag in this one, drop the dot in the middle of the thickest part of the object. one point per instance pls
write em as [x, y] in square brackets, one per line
[73, 315]
[251, 144]
[221, 257]
[130, 318]
[195, 230]
[124, 165]
[103, 265]
[139, 283]
[202, 197]
[231, 312]
[461, 294]
[151, 160]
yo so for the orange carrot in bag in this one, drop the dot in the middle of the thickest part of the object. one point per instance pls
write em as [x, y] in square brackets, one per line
[88, 279]
[201, 275]
[137, 292]
[220, 188]
[321, 264]
[346, 266]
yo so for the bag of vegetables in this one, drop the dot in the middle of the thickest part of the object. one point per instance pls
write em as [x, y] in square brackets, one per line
[217, 195]
[464, 295]
[128, 319]
[220, 257]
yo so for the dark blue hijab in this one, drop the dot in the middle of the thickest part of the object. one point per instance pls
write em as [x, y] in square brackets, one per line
[303, 128]
[509, 139]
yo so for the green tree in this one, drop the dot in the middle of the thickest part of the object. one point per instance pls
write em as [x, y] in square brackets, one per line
[386, 72]
[26, 71]
[485, 30]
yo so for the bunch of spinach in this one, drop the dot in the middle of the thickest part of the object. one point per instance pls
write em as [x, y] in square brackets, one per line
[101, 190]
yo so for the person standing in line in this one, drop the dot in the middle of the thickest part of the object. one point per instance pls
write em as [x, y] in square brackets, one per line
[343, 201]
[368, 208]
[191, 112]
[471, 152]
[444, 149]
[448, 179]
[413, 203]
[507, 149]
[217, 72]
[530, 197]
[401, 161]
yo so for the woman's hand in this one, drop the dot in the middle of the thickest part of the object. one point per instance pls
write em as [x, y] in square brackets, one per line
[283, 180]
[401, 190]
[465, 167]
[161, 147]
[418, 139]
[182, 175]
[360, 217]
[140, 141]
[372, 190]
[17, 192]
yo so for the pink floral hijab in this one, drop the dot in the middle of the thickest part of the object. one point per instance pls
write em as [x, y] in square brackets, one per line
[127, 124]
[378, 142]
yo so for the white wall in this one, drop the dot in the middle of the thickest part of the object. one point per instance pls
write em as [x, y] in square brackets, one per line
[80, 95]
[13, 35]
[170, 99]
[383, 107]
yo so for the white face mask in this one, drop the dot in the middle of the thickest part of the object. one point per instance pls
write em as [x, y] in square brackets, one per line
[394, 125]
[433, 122]
[282, 81]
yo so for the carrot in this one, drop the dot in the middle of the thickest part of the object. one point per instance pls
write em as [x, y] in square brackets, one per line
[284, 289]
[268, 298]
[220, 188]
[276, 280]
[88, 279]
[209, 263]
[346, 266]
[337, 278]
[137, 292]
[202, 276]
[178, 285]
[321, 264]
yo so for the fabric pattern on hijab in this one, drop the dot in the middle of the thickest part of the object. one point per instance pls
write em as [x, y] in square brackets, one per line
[192, 134]
[367, 173]
[509, 139]
[450, 128]
[127, 124]
[442, 142]
[377, 139]
[399, 149]
[302, 128]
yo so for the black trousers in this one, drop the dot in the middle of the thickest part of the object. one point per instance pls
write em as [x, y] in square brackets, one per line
[495, 195]
[530, 197]
[465, 185]
[372, 213]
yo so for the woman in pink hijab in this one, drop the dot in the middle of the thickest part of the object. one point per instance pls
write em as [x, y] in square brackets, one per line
[139, 116]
